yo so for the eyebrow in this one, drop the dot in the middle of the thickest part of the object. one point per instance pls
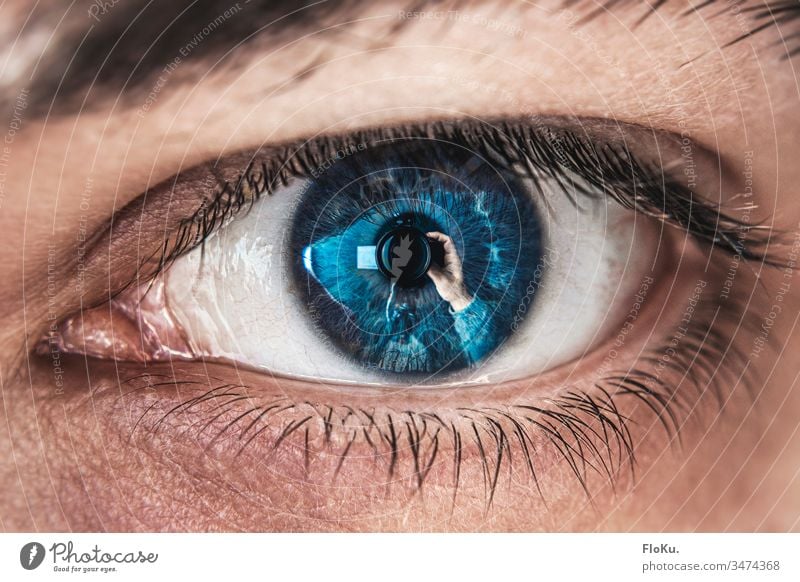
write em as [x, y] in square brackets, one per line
[123, 46]
[119, 48]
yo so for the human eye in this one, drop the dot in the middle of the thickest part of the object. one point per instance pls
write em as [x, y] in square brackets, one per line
[449, 253]
[436, 284]
[541, 253]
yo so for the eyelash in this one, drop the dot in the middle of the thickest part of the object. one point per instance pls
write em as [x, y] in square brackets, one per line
[763, 15]
[556, 153]
[588, 430]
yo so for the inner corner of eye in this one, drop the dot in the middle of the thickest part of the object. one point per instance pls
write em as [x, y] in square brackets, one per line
[413, 263]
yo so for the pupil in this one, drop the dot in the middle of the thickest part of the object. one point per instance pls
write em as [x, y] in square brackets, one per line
[378, 280]
[404, 255]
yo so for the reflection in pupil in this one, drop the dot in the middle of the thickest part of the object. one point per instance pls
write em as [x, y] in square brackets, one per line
[415, 257]
[404, 254]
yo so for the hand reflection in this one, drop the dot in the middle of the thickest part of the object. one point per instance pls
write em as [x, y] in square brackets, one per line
[449, 278]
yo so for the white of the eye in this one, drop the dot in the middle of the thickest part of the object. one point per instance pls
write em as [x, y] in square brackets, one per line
[235, 300]
[595, 257]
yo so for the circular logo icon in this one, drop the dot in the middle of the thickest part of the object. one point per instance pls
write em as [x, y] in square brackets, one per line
[31, 555]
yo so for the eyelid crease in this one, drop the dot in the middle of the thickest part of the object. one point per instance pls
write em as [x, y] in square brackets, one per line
[539, 147]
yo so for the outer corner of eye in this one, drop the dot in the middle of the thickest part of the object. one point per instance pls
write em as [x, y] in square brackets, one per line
[385, 269]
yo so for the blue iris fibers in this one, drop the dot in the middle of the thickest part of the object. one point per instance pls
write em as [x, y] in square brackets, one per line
[430, 187]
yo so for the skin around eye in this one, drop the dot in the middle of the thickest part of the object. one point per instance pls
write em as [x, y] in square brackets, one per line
[658, 407]
[573, 427]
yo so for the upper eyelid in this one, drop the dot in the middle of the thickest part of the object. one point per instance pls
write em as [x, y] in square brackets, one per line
[245, 177]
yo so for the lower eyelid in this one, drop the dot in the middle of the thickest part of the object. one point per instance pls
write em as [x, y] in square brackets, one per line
[469, 442]
[369, 443]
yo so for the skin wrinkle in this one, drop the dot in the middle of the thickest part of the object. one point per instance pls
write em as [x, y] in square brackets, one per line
[205, 502]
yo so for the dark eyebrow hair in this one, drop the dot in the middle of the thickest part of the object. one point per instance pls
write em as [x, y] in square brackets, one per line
[122, 46]
[118, 48]
[752, 17]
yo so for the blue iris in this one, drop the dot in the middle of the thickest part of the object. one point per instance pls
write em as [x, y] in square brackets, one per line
[415, 186]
